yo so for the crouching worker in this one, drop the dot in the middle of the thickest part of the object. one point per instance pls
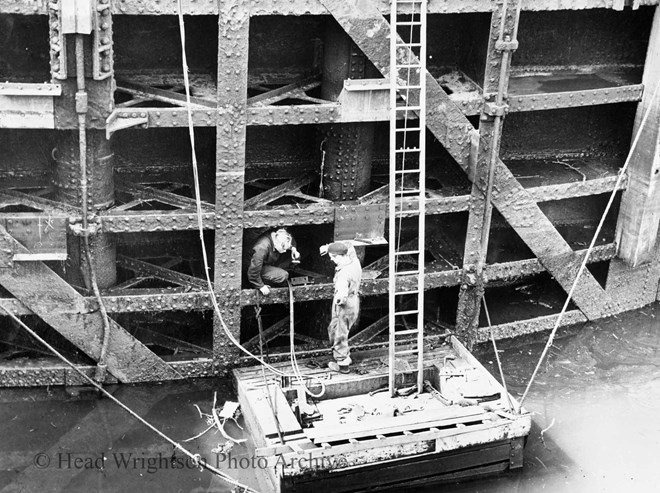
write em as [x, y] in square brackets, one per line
[345, 304]
[272, 254]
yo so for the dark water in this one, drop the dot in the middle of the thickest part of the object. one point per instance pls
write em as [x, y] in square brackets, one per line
[597, 398]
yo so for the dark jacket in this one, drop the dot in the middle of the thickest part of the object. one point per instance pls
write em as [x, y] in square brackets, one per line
[264, 253]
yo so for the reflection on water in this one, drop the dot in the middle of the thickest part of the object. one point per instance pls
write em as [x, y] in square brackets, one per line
[595, 404]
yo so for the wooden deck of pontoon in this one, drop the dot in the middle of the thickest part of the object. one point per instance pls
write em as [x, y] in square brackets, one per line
[368, 440]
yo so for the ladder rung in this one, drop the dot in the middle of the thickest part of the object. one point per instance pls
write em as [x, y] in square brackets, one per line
[403, 192]
[406, 213]
[408, 23]
[406, 272]
[407, 252]
[407, 149]
[406, 312]
[403, 88]
[404, 45]
[408, 351]
[407, 65]
[408, 129]
[406, 293]
[406, 332]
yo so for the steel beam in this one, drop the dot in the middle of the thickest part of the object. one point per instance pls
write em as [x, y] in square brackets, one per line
[503, 25]
[531, 326]
[196, 300]
[363, 22]
[576, 99]
[59, 305]
[233, 40]
[117, 220]
[315, 7]
[52, 372]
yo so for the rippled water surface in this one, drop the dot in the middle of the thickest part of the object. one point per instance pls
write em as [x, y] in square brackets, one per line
[596, 405]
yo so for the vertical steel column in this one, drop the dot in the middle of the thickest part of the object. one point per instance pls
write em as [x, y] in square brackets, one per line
[502, 41]
[348, 147]
[101, 195]
[233, 38]
[637, 225]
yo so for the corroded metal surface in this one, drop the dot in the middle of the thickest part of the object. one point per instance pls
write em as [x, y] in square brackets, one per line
[233, 40]
[503, 25]
[315, 7]
[58, 304]
[522, 327]
[369, 30]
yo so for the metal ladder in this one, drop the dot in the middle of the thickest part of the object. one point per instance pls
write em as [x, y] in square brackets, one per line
[407, 184]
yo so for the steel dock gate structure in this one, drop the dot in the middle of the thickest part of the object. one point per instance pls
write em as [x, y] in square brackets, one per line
[539, 98]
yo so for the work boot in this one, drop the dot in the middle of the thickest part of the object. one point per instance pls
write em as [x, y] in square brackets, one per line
[334, 366]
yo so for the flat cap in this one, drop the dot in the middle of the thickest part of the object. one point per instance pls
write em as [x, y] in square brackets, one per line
[338, 248]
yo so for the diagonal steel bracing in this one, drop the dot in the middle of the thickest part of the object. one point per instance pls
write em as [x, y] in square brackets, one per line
[367, 27]
[58, 304]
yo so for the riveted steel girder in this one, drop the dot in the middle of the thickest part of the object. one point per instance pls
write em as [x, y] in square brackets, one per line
[315, 7]
[503, 26]
[531, 326]
[121, 221]
[369, 29]
[233, 40]
[134, 301]
[59, 305]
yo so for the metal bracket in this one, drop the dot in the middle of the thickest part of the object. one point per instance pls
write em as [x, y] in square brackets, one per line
[361, 224]
[365, 99]
[43, 237]
[493, 109]
[119, 120]
[301, 281]
[93, 227]
[501, 45]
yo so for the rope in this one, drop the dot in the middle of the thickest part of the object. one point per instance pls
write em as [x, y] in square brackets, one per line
[497, 355]
[294, 361]
[257, 311]
[198, 201]
[196, 458]
[583, 265]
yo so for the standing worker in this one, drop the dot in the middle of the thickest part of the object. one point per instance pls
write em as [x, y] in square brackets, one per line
[272, 254]
[345, 304]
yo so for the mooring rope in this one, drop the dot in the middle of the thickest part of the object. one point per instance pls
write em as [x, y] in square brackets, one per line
[497, 354]
[583, 265]
[195, 458]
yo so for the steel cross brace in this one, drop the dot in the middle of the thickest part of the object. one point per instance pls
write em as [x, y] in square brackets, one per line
[364, 23]
[58, 304]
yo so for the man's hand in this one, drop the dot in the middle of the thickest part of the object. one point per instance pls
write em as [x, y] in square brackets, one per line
[323, 250]
[295, 255]
[265, 290]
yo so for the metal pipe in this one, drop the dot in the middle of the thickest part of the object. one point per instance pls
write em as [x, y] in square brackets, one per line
[81, 109]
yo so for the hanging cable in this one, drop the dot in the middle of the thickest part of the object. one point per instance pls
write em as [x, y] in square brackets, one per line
[195, 458]
[292, 345]
[198, 203]
[497, 354]
[583, 265]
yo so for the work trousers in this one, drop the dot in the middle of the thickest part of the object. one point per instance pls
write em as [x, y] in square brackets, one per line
[274, 276]
[343, 318]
